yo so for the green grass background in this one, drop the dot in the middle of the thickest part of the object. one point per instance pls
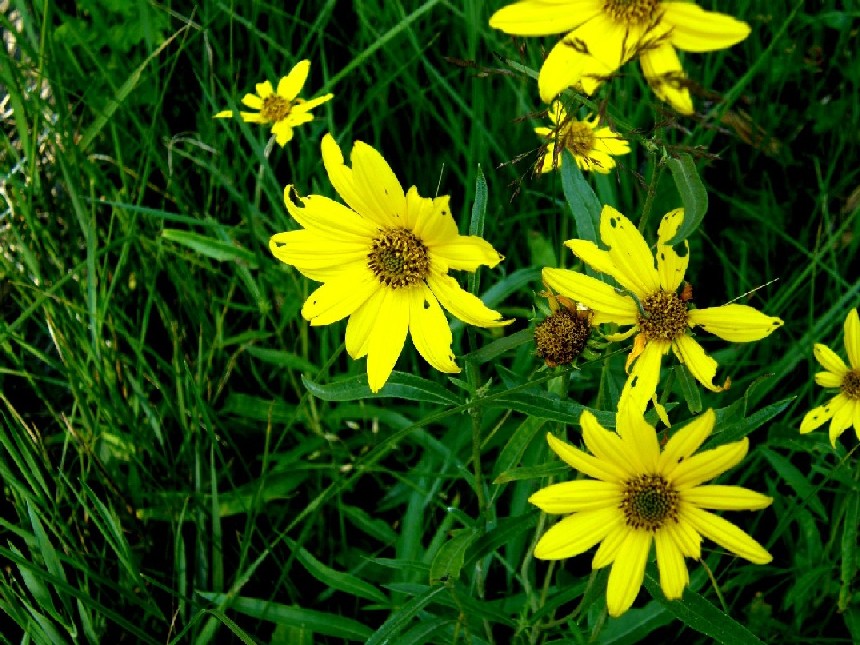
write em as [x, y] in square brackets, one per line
[167, 476]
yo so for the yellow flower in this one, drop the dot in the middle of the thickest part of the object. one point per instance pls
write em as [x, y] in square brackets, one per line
[282, 108]
[843, 410]
[592, 146]
[605, 34]
[650, 301]
[384, 262]
[639, 495]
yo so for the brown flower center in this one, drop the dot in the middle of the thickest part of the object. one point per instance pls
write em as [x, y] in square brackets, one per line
[636, 12]
[398, 258]
[578, 137]
[648, 502]
[561, 337]
[851, 384]
[664, 317]
[275, 108]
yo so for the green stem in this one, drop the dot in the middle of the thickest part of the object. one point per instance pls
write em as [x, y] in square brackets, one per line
[652, 191]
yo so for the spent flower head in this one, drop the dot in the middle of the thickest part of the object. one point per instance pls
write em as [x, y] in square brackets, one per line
[281, 107]
[602, 35]
[563, 335]
[653, 302]
[843, 410]
[384, 261]
[639, 495]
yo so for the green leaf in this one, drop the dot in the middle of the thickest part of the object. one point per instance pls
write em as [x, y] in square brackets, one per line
[583, 203]
[449, 558]
[210, 247]
[399, 620]
[505, 530]
[699, 614]
[498, 347]
[521, 439]
[479, 207]
[399, 385]
[689, 388]
[740, 429]
[541, 250]
[549, 406]
[532, 472]
[336, 579]
[799, 482]
[849, 550]
[281, 358]
[316, 621]
[694, 197]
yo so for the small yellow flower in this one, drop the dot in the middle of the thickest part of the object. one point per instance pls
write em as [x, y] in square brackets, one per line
[843, 410]
[605, 34]
[591, 145]
[650, 301]
[384, 261]
[282, 108]
[639, 496]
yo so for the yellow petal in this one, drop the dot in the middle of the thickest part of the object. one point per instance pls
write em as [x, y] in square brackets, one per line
[343, 180]
[585, 463]
[845, 411]
[577, 496]
[607, 303]
[430, 331]
[726, 498]
[708, 464]
[610, 44]
[373, 176]
[223, 114]
[670, 265]
[611, 544]
[610, 142]
[430, 218]
[315, 256]
[674, 576]
[252, 101]
[686, 441]
[640, 437]
[463, 304]
[685, 537]
[283, 132]
[563, 68]
[664, 74]
[828, 379]
[852, 338]
[697, 30]
[575, 534]
[338, 298]
[550, 161]
[264, 89]
[727, 535]
[557, 114]
[291, 84]
[306, 106]
[531, 18]
[830, 360]
[701, 366]
[735, 323]
[362, 322]
[628, 571]
[817, 417]
[642, 382]
[329, 219]
[467, 253]
[603, 262]
[387, 338]
[608, 446]
[630, 254]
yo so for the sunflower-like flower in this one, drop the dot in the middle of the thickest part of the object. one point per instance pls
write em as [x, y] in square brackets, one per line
[563, 335]
[605, 34]
[384, 261]
[843, 410]
[282, 107]
[591, 145]
[651, 302]
[639, 496]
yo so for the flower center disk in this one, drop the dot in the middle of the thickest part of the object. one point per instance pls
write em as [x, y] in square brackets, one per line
[665, 316]
[636, 12]
[648, 502]
[398, 258]
[561, 337]
[275, 108]
[577, 137]
[851, 385]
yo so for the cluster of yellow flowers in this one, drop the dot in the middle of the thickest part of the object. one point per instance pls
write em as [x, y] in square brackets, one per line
[384, 256]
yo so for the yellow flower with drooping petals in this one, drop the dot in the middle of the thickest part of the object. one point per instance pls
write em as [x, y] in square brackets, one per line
[650, 301]
[591, 145]
[384, 261]
[605, 34]
[282, 107]
[639, 495]
[843, 410]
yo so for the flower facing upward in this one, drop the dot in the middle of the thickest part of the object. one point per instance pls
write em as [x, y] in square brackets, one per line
[639, 495]
[843, 410]
[384, 262]
[592, 146]
[282, 107]
[650, 301]
[605, 34]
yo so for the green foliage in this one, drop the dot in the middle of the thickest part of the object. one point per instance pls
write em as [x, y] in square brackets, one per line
[184, 459]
